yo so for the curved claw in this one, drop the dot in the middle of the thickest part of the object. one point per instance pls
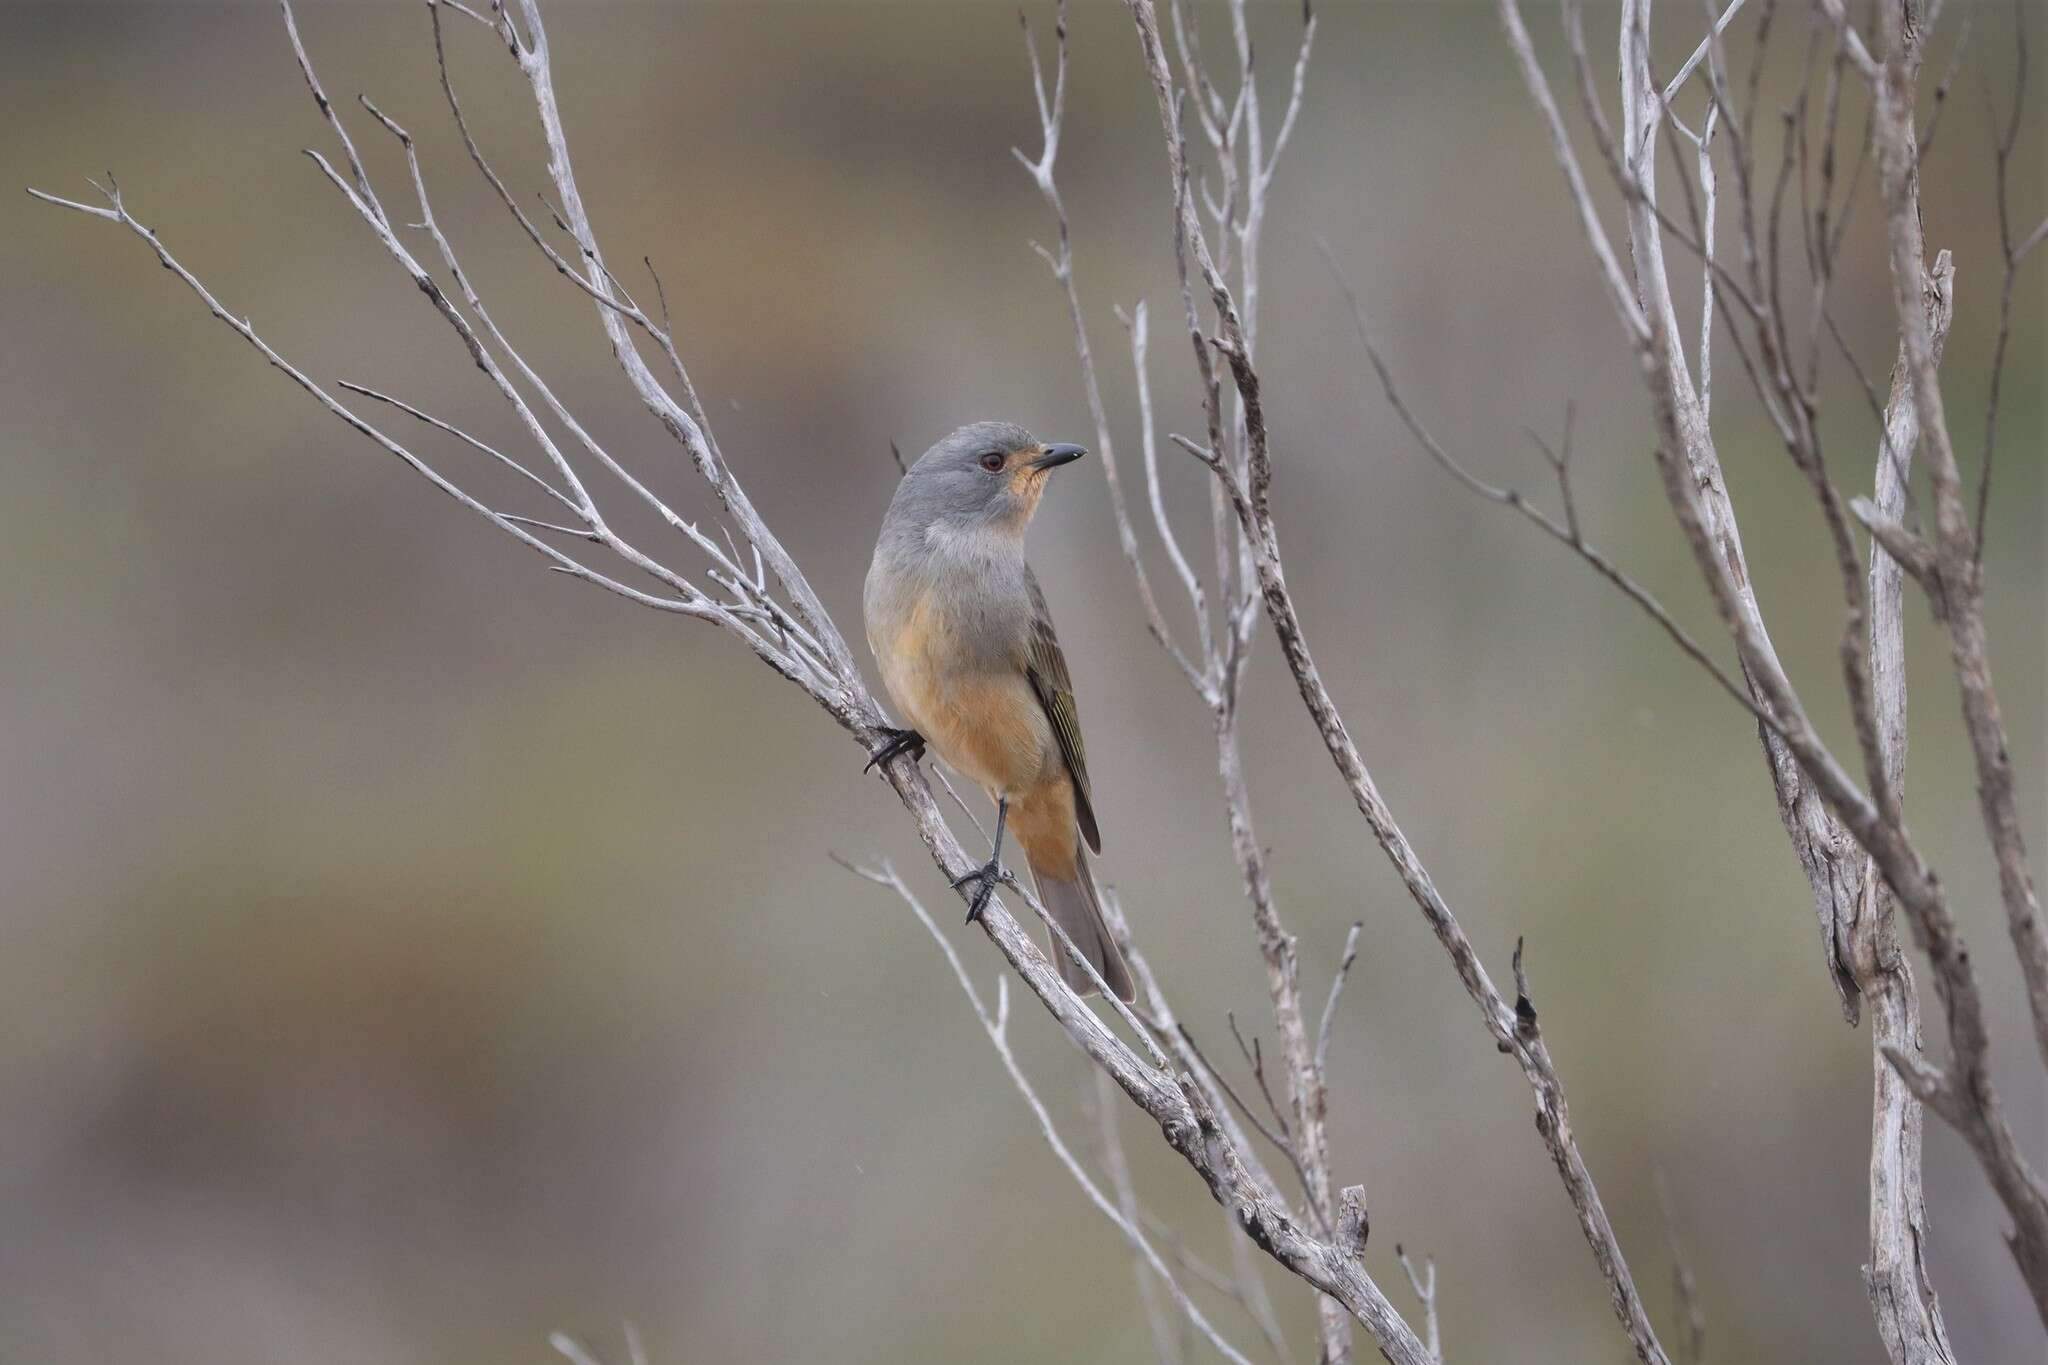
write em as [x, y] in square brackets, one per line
[900, 742]
[990, 875]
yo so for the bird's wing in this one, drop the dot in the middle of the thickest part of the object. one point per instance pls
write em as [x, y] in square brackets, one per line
[1047, 668]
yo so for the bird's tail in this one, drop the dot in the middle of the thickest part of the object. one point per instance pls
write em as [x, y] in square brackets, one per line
[1076, 908]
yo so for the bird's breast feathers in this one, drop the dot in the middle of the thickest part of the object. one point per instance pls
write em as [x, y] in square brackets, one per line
[978, 712]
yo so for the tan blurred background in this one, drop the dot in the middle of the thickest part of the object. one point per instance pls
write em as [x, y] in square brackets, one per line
[407, 952]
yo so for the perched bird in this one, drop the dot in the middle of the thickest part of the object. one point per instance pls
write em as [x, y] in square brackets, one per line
[966, 647]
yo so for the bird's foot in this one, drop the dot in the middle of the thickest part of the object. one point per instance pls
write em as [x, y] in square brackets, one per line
[986, 878]
[899, 742]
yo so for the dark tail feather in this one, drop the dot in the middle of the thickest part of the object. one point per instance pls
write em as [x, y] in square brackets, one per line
[1075, 907]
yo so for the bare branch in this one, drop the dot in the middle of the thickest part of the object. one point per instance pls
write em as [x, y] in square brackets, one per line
[1424, 1285]
[1618, 290]
[2001, 162]
[804, 655]
[466, 439]
[1812, 788]
[1250, 1291]
[1691, 64]
[1349, 956]
[360, 177]
[1165, 1341]
[1254, 514]
[696, 605]
[1051, 109]
[1708, 188]
[1961, 604]
[1135, 323]
[1567, 535]
[1247, 165]
[575, 532]
[1821, 804]
[687, 427]
[1897, 1279]
[1282, 1141]
[993, 1025]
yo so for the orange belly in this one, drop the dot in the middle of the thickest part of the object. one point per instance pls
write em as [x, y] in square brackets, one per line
[987, 726]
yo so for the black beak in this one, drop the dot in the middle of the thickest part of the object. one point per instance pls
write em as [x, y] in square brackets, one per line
[1055, 456]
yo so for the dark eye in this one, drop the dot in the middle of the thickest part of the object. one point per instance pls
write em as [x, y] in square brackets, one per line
[993, 461]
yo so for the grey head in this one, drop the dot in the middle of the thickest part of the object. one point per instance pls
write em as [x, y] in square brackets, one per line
[985, 476]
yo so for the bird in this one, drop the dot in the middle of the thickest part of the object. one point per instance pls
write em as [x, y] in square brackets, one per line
[965, 643]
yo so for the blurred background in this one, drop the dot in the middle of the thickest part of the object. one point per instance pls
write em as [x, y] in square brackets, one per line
[408, 952]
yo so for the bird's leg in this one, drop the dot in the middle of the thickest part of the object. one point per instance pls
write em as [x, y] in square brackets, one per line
[990, 872]
[899, 742]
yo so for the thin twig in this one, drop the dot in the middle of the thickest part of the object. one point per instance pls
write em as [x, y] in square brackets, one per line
[1424, 1285]
[993, 1025]
[1344, 961]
